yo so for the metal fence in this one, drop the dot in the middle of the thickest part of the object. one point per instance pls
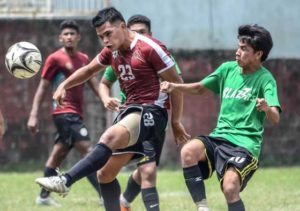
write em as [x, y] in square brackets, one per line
[49, 8]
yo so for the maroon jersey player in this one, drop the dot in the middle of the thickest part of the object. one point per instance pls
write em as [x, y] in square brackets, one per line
[139, 62]
[71, 131]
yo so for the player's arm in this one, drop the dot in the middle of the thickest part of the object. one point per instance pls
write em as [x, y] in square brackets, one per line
[272, 112]
[78, 77]
[105, 85]
[93, 83]
[191, 88]
[39, 96]
[180, 134]
[2, 127]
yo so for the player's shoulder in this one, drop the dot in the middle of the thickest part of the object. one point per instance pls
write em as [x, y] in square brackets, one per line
[148, 42]
[230, 64]
[82, 55]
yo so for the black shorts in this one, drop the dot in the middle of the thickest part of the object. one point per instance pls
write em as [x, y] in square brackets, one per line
[221, 154]
[152, 133]
[70, 128]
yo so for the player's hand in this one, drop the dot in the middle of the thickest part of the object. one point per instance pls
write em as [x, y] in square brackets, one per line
[111, 103]
[262, 105]
[59, 95]
[32, 125]
[166, 87]
[181, 136]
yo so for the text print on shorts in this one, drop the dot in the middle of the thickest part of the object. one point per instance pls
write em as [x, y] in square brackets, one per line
[237, 159]
[148, 119]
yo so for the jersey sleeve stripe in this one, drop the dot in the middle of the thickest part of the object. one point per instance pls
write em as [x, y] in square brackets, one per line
[162, 54]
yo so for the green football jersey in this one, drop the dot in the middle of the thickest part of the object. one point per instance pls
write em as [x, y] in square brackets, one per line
[239, 121]
[110, 76]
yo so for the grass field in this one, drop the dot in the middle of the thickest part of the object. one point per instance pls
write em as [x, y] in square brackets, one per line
[271, 189]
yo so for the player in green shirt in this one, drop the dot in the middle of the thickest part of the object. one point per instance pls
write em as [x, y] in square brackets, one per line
[248, 95]
[142, 25]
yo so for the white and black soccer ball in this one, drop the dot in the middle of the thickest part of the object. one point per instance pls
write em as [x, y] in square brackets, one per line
[23, 60]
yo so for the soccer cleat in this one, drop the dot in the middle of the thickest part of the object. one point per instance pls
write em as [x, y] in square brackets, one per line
[54, 184]
[122, 208]
[124, 204]
[48, 201]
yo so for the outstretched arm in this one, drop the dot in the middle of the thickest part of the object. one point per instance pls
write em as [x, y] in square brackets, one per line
[78, 77]
[191, 88]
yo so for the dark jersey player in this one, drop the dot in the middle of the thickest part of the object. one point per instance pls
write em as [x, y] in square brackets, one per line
[71, 131]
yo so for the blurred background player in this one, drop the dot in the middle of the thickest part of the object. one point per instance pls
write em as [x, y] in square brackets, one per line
[248, 94]
[142, 25]
[71, 131]
[141, 61]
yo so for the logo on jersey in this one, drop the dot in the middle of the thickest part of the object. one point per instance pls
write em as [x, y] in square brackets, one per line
[237, 159]
[244, 94]
[148, 119]
[137, 55]
[115, 54]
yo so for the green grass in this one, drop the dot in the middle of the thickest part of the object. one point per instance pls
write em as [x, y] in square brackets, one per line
[276, 189]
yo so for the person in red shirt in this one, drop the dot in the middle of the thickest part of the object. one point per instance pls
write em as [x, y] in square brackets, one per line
[139, 63]
[68, 119]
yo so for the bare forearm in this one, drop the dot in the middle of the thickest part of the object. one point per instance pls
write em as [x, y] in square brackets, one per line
[79, 77]
[273, 115]
[104, 91]
[191, 88]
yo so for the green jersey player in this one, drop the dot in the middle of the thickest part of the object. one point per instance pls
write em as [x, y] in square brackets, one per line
[248, 95]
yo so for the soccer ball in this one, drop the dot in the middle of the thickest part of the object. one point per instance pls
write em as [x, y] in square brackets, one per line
[23, 60]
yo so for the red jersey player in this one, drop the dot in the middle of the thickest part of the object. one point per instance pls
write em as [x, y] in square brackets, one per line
[71, 131]
[139, 62]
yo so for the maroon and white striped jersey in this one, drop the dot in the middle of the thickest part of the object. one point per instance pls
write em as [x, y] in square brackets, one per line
[138, 69]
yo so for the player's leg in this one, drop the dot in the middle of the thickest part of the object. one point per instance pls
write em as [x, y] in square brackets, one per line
[231, 188]
[116, 137]
[84, 147]
[82, 143]
[57, 155]
[239, 166]
[192, 153]
[148, 186]
[110, 187]
[132, 189]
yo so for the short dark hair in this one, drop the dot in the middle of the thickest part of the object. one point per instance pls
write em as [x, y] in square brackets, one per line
[69, 24]
[257, 37]
[110, 14]
[139, 19]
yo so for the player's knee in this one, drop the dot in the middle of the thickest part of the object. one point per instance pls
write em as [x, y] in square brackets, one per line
[231, 191]
[115, 139]
[105, 176]
[189, 155]
[148, 172]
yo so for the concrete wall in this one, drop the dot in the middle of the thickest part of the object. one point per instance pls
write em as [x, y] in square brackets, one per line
[212, 24]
